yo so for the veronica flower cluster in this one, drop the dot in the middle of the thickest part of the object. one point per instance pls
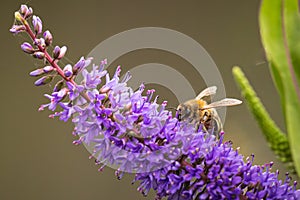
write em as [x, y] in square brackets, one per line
[133, 133]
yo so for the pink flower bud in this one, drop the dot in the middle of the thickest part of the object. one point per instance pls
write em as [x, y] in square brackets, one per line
[48, 37]
[48, 69]
[63, 51]
[15, 29]
[40, 42]
[28, 13]
[23, 9]
[39, 55]
[37, 24]
[56, 52]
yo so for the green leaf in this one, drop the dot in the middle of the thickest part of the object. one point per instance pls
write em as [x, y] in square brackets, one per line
[276, 139]
[292, 32]
[279, 27]
[278, 83]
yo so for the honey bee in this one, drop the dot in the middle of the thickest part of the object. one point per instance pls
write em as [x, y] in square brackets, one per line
[197, 111]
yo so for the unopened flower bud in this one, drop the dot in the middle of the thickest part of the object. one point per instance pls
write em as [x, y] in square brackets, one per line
[37, 24]
[56, 52]
[48, 69]
[23, 9]
[37, 72]
[62, 52]
[81, 64]
[28, 13]
[68, 71]
[48, 37]
[17, 29]
[58, 86]
[27, 48]
[39, 55]
[18, 16]
[40, 42]
[43, 81]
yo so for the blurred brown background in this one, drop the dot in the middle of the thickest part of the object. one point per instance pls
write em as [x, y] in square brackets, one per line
[38, 160]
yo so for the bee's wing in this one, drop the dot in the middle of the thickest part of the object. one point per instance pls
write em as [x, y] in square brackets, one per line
[207, 92]
[222, 103]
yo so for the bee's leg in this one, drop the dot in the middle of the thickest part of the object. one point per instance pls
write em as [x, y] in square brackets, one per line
[199, 127]
[218, 127]
[202, 127]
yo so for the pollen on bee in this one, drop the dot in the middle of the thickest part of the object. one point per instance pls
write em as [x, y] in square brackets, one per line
[201, 103]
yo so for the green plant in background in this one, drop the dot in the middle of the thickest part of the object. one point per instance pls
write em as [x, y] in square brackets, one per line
[280, 32]
[277, 139]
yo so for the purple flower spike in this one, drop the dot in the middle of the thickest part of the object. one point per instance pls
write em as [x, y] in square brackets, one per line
[48, 37]
[68, 71]
[27, 48]
[132, 132]
[136, 134]
[37, 24]
[43, 81]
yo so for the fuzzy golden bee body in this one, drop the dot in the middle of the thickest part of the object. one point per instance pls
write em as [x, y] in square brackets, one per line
[197, 111]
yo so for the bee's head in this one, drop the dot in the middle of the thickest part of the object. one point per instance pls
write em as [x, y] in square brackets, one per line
[178, 112]
[183, 111]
